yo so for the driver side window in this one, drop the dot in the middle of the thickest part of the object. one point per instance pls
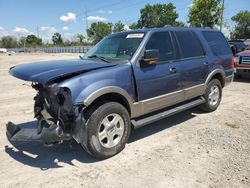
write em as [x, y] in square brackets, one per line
[162, 42]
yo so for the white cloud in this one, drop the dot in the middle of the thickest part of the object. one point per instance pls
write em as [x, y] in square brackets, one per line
[65, 28]
[48, 29]
[46, 33]
[70, 17]
[97, 19]
[21, 31]
[105, 11]
[190, 5]
[68, 36]
[3, 32]
[226, 31]
[126, 27]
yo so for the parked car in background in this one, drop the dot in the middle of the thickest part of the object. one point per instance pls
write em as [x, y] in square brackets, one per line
[3, 50]
[128, 80]
[247, 42]
[238, 44]
[242, 63]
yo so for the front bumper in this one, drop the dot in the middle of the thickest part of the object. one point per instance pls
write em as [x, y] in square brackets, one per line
[49, 135]
[242, 71]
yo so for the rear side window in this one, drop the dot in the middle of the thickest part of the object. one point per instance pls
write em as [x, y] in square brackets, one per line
[217, 43]
[189, 44]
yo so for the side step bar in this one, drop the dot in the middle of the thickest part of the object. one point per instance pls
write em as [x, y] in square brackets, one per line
[163, 114]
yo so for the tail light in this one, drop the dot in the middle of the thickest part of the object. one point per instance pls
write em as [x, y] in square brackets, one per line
[234, 61]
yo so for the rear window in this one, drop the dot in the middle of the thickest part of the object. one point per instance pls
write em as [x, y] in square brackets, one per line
[217, 43]
[190, 45]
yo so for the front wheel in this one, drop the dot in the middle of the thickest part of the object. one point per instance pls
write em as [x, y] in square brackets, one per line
[108, 130]
[212, 96]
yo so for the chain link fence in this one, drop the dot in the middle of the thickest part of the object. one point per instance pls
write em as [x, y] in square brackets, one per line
[66, 49]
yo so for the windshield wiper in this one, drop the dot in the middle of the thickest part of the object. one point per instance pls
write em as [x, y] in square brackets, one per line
[99, 57]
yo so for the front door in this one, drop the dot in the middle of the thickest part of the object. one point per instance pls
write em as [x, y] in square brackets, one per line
[158, 85]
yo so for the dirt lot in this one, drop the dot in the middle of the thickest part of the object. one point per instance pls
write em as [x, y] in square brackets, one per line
[191, 149]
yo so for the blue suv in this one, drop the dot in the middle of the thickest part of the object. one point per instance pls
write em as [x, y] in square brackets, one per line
[128, 80]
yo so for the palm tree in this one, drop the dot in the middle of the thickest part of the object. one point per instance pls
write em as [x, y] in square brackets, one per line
[80, 37]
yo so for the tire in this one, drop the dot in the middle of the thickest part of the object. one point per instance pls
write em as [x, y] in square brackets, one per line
[212, 101]
[108, 129]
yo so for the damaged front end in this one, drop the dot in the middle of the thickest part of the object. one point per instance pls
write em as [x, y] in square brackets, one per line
[57, 117]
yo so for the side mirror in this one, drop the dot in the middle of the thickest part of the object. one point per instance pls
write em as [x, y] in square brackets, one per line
[150, 57]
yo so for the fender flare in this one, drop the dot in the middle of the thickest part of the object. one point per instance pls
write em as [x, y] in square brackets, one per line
[106, 90]
[214, 72]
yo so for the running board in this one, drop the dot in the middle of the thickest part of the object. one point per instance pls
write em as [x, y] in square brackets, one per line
[163, 114]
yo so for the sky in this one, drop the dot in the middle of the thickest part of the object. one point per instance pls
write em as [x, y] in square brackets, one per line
[69, 17]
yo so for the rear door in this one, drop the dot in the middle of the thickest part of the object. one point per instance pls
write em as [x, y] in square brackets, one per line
[194, 63]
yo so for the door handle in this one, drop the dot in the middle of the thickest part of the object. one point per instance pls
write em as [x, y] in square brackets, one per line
[173, 70]
[205, 63]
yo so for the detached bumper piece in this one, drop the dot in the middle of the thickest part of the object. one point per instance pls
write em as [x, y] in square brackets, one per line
[50, 135]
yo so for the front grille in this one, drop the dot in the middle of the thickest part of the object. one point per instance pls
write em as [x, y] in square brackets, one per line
[245, 60]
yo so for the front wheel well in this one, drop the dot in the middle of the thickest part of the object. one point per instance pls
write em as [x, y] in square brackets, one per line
[111, 97]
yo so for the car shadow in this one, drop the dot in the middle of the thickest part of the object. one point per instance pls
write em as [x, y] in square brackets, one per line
[242, 79]
[161, 125]
[35, 154]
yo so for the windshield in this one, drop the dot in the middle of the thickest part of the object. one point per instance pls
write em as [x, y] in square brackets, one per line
[118, 48]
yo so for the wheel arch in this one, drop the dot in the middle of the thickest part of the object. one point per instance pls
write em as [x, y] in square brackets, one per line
[217, 74]
[111, 93]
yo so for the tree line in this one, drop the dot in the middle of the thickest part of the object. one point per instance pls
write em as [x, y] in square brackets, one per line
[202, 13]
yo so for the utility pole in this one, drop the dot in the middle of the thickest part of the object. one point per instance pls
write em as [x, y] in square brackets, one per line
[221, 18]
[87, 24]
[37, 31]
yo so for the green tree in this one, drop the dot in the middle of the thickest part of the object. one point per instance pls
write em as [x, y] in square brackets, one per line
[205, 13]
[242, 25]
[22, 42]
[9, 42]
[99, 30]
[118, 27]
[57, 39]
[134, 26]
[80, 38]
[33, 41]
[158, 15]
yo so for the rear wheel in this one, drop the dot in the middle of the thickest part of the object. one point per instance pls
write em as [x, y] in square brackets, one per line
[213, 96]
[108, 130]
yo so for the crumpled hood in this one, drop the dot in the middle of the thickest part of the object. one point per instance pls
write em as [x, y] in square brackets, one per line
[45, 71]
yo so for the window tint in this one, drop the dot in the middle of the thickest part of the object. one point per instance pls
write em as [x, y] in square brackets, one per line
[190, 45]
[217, 43]
[162, 42]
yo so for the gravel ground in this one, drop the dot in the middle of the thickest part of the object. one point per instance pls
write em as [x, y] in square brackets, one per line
[190, 149]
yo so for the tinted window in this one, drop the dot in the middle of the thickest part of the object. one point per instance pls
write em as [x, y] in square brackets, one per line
[190, 45]
[162, 42]
[217, 43]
